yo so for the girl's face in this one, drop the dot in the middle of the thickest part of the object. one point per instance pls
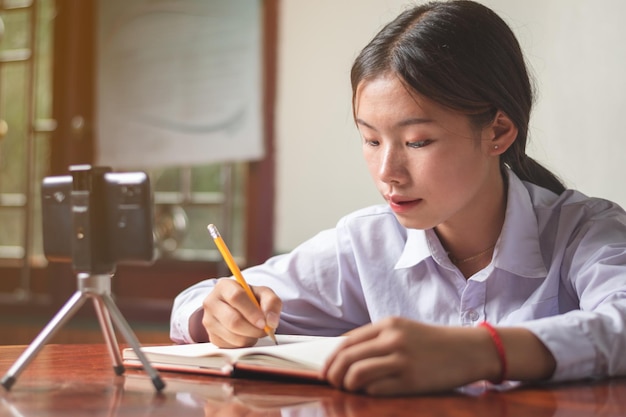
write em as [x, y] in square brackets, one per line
[428, 162]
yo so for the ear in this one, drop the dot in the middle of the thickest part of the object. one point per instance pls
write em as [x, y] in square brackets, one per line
[501, 134]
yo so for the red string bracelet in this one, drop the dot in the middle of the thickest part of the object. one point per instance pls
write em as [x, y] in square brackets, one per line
[495, 337]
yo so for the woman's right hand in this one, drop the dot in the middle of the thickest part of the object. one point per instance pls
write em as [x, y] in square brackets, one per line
[231, 319]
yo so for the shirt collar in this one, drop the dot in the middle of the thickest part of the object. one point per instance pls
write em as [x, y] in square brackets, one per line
[415, 249]
[517, 249]
[421, 244]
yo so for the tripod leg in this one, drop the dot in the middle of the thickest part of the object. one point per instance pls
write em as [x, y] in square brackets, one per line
[62, 316]
[128, 334]
[109, 334]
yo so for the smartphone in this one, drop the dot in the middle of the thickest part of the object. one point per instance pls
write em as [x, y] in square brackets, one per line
[129, 210]
[97, 218]
[57, 223]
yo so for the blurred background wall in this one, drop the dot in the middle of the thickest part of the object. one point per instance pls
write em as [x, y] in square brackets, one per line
[575, 51]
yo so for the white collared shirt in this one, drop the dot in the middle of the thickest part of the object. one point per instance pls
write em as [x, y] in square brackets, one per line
[558, 269]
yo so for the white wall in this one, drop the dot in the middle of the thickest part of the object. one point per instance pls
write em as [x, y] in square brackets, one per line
[575, 49]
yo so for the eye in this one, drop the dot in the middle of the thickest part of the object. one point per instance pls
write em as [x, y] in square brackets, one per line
[370, 142]
[419, 143]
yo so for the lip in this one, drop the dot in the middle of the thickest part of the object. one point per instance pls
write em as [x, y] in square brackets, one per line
[402, 204]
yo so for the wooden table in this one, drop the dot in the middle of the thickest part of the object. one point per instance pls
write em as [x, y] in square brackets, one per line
[78, 380]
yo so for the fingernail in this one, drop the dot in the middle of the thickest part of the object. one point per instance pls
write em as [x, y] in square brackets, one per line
[272, 320]
[260, 324]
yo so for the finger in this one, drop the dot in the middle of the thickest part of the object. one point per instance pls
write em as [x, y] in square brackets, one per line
[224, 338]
[350, 353]
[234, 295]
[226, 327]
[400, 382]
[271, 305]
[363, 333]
[354, 337]
[365, 372]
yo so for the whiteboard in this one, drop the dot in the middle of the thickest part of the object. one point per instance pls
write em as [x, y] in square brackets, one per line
[179, 82]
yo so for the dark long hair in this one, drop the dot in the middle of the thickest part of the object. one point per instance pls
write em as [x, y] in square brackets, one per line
[463, 56]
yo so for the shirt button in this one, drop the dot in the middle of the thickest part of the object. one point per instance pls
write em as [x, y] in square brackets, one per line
[473, 315]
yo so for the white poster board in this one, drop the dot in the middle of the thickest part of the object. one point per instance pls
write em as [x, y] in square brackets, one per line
[179, 82]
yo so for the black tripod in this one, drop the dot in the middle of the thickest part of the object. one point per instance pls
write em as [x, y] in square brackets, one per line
[98, 288]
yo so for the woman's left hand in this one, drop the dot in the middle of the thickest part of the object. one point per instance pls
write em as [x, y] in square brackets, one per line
[397, 356]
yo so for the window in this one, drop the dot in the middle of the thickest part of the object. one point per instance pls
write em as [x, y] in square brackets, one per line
[47, 123]
[189, 198]
[25, 127]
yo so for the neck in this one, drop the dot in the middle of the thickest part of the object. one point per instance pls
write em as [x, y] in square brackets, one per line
[470, 237]
[474, 258]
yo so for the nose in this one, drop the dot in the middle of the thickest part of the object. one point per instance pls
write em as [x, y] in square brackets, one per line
[392, 166]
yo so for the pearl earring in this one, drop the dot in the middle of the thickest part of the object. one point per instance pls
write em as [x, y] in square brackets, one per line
[495, 147]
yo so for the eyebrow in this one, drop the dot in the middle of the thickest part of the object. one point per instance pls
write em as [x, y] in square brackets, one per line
[402, 123]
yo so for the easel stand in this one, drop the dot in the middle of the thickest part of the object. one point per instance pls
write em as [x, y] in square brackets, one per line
[98, 288]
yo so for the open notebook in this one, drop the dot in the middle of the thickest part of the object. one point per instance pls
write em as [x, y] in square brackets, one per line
[297, 356]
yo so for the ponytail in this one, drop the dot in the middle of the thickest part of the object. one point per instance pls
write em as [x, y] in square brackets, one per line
[527, 169]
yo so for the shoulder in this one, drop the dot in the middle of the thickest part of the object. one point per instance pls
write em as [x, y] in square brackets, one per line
[572, 203]
[575, 217]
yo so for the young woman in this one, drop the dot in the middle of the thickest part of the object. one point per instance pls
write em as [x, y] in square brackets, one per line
[479, 266]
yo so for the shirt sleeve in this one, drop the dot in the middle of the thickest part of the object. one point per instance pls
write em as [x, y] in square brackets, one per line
[317, 283]
[590, 341]
[185, 304]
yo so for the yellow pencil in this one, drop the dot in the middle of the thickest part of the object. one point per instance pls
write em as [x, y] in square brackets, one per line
[234, 269]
